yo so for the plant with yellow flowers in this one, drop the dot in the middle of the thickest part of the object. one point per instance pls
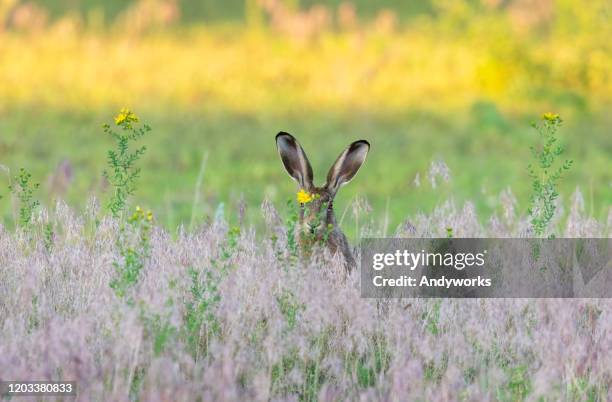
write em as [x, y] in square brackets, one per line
[545, 173]
[302, 197]
[122, 171]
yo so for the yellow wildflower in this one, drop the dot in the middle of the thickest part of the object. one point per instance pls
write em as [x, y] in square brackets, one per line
[134, 217]
[125, 116]
[137, 215]
[304, 197]
[150, 216]
[551, 117]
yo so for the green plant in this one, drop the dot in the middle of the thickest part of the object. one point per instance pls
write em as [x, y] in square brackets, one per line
[367, 366]
[159, 328]
[434, 370]
[23, 189]
[48, 236]
[581, 389]
[134, 247]
[518, 385]
[199, 320]
[122, 173]
[545, 173]
[433, 318]
[290, 307]
[292, 220]
[228, 248]
[34, 320]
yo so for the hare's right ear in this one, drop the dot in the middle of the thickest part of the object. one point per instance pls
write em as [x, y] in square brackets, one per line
[347, 165]
[295, 160]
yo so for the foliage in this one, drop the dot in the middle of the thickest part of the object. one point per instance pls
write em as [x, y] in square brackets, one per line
[545, 173]
[200, 322]
[23, 189]
[158, 328]
[292, 225]
[517, 387]
[133, 243]
[48, 236]
[290, 307]
[369, 367]
[121, 161]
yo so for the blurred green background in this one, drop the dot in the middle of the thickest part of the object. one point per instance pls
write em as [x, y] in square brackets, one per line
[429, 81]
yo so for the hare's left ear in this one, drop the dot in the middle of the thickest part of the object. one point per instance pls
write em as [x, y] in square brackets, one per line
[295, 160]
[347, 165]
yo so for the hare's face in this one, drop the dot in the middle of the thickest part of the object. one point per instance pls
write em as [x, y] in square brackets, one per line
[316, 216]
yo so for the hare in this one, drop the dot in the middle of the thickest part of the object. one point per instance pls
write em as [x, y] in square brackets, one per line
[317, 221]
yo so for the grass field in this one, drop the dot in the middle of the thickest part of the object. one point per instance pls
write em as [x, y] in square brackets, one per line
[420, 92]
[223, 314]
[241, 159]
[201, 293]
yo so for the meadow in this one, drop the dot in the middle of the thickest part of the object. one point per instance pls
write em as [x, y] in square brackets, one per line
[461, 86]
[220, 313]
[191, 285]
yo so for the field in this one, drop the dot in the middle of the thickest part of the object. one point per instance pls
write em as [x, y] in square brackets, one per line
[223, 315]
[198, 290]
[420, 92]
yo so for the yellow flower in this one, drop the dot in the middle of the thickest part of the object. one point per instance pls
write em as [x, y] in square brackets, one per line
[150, 216]
[125, 116]
[304, 197]
[137, 215]
[552, 117]
[134, 217]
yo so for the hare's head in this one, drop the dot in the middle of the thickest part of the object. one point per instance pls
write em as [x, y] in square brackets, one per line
[316, 203]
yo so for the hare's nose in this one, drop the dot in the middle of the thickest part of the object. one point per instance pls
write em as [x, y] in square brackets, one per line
[312, 228]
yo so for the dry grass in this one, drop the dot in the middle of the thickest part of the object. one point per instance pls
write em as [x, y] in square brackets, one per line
[282, 330]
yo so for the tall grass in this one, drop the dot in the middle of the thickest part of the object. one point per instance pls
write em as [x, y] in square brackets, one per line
[223, 314]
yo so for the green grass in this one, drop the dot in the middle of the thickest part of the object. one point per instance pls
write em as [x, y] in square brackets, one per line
[193, 11]
[486, 150]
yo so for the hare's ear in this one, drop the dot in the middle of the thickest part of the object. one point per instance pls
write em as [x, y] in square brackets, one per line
[295, 160]
[347, 165]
